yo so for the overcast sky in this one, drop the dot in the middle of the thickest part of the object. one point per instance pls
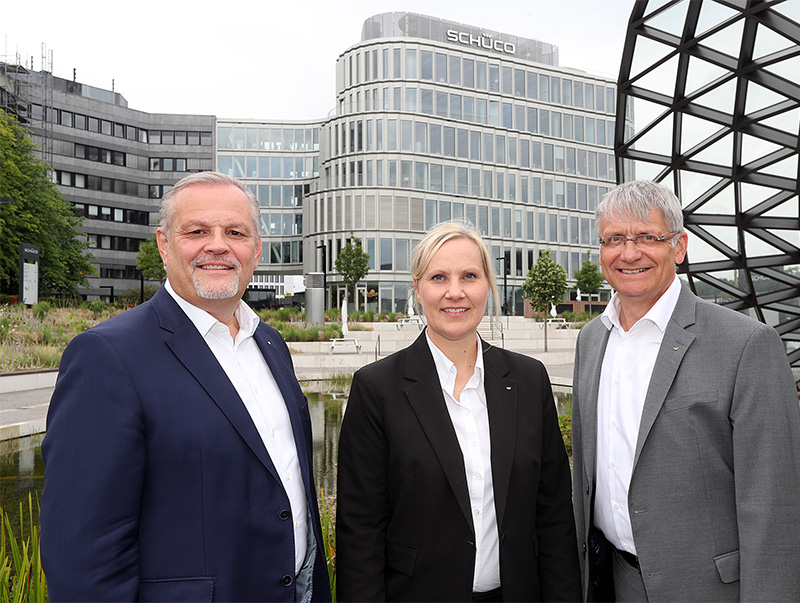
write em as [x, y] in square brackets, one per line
[266, 59]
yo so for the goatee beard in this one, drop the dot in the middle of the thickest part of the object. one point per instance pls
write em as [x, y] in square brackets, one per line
[208, 290]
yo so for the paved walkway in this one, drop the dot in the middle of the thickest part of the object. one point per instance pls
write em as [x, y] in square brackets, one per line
[24, 412]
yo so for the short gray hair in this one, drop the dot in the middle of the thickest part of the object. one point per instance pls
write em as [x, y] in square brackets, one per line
[634, 201]
[167, 209]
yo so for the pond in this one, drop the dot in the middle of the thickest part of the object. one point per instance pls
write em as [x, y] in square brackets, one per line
[22, 470]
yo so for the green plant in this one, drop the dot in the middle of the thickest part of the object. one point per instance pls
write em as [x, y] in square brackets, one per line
[327, 516]
[98, 306]
[41, 309]
[21, 576]
[5, 328]
[565, 424]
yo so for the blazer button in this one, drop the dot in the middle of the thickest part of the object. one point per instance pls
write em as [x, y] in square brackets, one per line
[285, 515]
[584, 547]
[287, 580]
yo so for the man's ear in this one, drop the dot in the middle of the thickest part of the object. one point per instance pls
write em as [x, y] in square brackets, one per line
[163, 243]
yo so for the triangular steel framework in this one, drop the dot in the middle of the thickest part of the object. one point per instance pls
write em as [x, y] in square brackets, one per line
[727, 145]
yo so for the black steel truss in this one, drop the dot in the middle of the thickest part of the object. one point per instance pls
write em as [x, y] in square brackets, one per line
[709, 106]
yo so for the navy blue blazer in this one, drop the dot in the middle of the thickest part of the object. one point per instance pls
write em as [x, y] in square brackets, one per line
[157, 483]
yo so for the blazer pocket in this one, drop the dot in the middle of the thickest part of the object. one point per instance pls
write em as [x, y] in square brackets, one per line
[401, 558]
[728, 566]
[694, 399]
[199, 588]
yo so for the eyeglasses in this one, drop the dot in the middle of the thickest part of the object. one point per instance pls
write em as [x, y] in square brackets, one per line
[645, 241]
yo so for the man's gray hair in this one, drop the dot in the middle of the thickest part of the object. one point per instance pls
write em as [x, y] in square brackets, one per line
[634, 201]
[167, 210]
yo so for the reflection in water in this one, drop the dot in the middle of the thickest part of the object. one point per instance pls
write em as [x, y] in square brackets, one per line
[326, 419]
[22, 470]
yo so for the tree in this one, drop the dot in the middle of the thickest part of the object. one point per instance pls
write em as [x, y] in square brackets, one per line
[149, 261]
[38, 215]
[352, 263]
[546, 284]
[588, 279]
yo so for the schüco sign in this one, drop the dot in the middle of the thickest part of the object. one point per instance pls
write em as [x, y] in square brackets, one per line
[481, 41]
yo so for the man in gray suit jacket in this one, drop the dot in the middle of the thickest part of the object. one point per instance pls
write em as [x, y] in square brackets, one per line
[686, 429]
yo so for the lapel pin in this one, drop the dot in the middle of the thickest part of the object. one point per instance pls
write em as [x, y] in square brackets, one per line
[676, 349]
[508, 387]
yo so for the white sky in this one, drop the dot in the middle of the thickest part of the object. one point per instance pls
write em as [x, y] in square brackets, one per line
[263, 58]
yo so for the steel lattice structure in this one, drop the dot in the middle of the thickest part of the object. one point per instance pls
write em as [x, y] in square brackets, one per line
[708, 106]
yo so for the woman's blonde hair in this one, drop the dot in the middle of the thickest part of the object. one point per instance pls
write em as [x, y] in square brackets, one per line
[441, 234]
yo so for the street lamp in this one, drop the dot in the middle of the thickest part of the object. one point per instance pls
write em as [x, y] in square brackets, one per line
[504, 259]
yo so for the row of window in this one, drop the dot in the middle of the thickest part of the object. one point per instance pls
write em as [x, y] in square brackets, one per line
[98, 183]
[79, 121]
[491, 221]
[287, 224]
[279, 195]
[264, 138]
[460, 71]
[118, 271]
[449, 141]
[111, 214]
[100, 155]
[264, 166]
[282, 252]
[394, 254]
[476, 182]
[513, 116]
[167, 164]
[113, 242]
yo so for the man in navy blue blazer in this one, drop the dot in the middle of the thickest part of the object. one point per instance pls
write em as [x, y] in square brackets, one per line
[178, 446]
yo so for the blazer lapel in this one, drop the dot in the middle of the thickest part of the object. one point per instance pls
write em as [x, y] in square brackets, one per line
[425, 396]
[292, 398]
[591, 363]
[673, 348]
[191, 349]
[502, 399]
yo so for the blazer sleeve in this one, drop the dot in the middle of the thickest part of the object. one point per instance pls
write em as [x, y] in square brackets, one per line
[765, 420]
[94, 457]
[362, 513]
[559, 573]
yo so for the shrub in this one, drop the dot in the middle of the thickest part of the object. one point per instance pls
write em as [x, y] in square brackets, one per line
[98, 306]
[41, 309]
[565, 424]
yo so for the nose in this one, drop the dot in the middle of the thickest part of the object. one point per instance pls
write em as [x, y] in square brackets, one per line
[455, 290]
[630, 251]
[216, 242]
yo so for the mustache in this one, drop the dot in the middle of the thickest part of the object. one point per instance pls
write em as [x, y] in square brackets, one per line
[222, 258]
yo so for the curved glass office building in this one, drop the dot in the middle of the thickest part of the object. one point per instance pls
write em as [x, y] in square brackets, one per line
[437, 120]
[712, 89]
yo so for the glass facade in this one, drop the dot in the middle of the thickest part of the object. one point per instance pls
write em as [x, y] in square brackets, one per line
[714, 117]
[437, 126]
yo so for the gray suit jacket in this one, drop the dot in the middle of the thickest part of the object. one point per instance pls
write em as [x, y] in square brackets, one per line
[714, 498]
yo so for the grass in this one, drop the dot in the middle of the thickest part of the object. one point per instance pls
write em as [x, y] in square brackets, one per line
[21, 576]
[34, 338]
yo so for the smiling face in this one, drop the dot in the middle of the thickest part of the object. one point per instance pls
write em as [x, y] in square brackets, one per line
[453, 290]
[212, 248]
[640, 276]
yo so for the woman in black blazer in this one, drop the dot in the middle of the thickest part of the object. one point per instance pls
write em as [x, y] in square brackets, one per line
[453, 480]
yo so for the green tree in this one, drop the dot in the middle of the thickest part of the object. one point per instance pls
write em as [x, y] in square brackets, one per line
[149, 261]
[588, 279]
[352, 263]
[38, 215]
[546, 284]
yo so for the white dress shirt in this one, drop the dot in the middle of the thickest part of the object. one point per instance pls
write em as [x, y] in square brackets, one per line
[624, 379]
[470, 418]
[245, 366]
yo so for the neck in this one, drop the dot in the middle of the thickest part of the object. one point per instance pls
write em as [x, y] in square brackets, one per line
[462, 352]
[227, 316]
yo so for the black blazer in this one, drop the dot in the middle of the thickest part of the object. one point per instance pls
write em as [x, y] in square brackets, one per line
[404, 527]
